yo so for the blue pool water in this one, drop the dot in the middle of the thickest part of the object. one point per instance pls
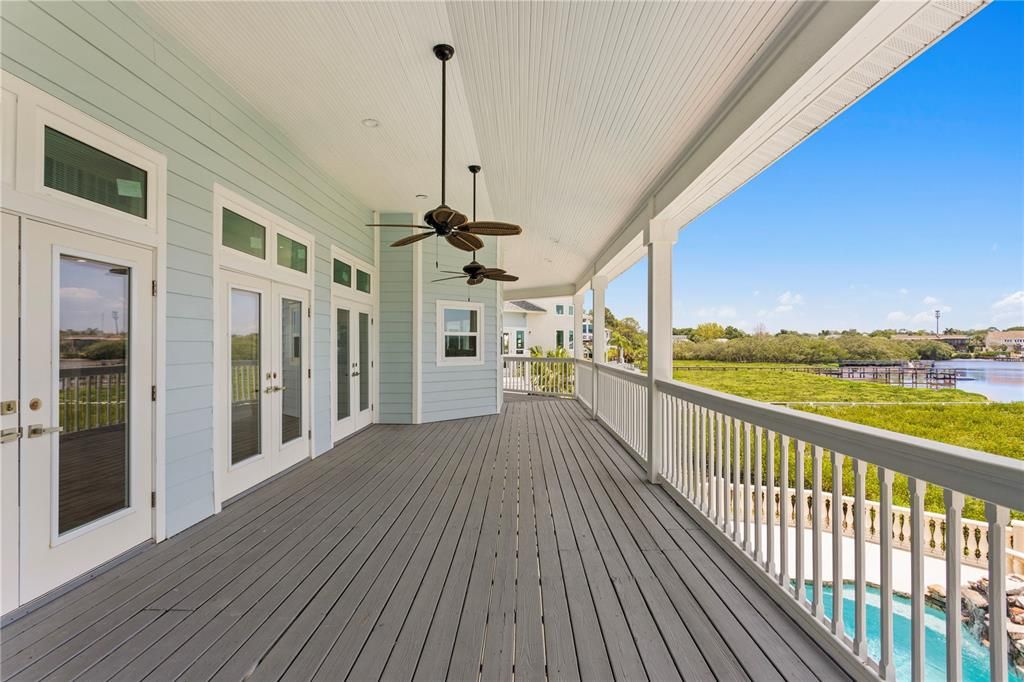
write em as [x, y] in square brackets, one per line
[975, 655]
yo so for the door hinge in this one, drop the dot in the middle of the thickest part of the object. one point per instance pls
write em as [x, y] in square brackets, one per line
[152, 499]
[154, 287]
[309, 434]
[309, 311]
[309, 373]
[152, 393]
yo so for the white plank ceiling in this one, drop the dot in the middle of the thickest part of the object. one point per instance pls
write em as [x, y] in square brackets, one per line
[574, 110]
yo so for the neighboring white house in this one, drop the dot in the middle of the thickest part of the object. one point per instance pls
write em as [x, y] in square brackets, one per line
[547, 323]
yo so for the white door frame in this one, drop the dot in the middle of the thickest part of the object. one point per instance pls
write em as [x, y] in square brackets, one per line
[226, 260]
[27, 110]
[358, 302]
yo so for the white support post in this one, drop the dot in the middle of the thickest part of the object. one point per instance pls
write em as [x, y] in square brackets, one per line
[659, 238]
[598, 285]
[577, 341]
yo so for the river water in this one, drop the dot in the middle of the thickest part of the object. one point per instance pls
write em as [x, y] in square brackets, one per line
[999, 381]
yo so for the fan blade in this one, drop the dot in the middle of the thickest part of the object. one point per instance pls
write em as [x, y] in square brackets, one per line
[445, 279]
[421, 227]
[487, 272]
[457, 219]
[503, 278]
[491, 227]
[452, 272]
[466, 242]
[413, 238]
[474, 280]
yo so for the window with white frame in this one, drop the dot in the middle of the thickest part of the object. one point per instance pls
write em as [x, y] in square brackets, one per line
[571, 340]
[460, 333]
[559, 310]
[572, 310]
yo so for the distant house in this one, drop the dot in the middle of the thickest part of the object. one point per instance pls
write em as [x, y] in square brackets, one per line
[548, 325]
[959, 342]
[1013, 340]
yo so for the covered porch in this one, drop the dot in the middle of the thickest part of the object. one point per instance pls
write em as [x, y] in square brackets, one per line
[522, 544]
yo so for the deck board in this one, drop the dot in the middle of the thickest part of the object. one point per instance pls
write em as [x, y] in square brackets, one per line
[525, 545]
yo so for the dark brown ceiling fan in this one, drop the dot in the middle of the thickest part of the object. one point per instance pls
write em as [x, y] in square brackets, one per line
[475, 273]
[444, 221]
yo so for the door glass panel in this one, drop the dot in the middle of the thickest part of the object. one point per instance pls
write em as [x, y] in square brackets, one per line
[245, 375]
[344, 365]
[95, 322]
[291, 370]
[364, 362]
[76, 168]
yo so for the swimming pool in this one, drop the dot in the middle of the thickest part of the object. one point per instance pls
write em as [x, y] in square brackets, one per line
[975, 655]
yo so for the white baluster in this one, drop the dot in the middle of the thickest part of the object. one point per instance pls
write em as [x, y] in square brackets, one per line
[817, 606]
[837, 544]
[769, 559]
[758, 518]
[917, 487]
[998, 518]
[784, 513]
[747, 433]
[723, 474]
[734, 452]
[860, 647]
[886, 668]
[954, 502]
[798, 568]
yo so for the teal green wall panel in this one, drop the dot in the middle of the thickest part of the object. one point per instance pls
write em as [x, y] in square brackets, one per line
[107, 61]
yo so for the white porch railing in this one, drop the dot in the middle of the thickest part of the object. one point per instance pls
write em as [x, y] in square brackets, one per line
[585, 381]
[622, 406]
[541, 376]
[735, 464]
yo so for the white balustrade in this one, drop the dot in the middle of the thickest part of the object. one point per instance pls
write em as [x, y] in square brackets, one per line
[622, 406]
[541, 376]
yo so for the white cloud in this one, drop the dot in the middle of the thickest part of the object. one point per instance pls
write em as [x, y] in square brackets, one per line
[1014, 300]
[929, 315]
[897, 316]
[929, 300]
[788, 298]
[724, 312]
[904, 292]
[757, 292]
[783, 308]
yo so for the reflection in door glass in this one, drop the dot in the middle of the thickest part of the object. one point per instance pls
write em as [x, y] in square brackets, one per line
[364, 361]
[344, 366]
[291, 370]
[93, 460]
[245, 375]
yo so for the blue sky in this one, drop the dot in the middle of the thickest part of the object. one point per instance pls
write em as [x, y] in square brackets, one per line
[911, 200]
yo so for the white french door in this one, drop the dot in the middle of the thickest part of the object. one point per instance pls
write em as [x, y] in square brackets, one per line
[352, 389]
[265, 370]
[78, 413]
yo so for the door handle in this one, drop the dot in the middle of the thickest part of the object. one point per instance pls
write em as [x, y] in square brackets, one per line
[11, 434]
[355, 374]
[37, 430]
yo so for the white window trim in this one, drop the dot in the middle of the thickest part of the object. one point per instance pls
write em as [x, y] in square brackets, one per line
[267, 267]
[357, 264]
[443, 361]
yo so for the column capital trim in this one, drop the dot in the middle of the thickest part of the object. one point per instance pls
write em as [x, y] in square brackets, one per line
[661, 231]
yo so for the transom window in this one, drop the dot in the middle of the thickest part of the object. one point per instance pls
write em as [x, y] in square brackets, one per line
[363, 281]
[459, 333]
[83, 171]
[342, 273]
[291, 254]
[241, 234]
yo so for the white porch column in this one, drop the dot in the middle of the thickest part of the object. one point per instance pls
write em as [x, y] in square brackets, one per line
[597, 285]
[659, 238]
[577, 326]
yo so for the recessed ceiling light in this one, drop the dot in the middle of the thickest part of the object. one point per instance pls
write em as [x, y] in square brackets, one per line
[371, 122]
[421, 196]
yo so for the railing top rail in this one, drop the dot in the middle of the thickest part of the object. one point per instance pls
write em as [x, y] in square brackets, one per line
[91, 370]
[975, 473]
[628, 375]
[533, 359]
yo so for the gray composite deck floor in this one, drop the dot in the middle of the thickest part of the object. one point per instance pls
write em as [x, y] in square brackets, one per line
[522, 544]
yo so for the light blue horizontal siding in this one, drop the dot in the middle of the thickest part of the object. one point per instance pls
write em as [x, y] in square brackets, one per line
[460, 391]
[396, 323]
[109, 62]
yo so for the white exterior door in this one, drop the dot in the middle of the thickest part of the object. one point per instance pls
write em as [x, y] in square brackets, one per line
[265, 371]
[83, 463]
[354, 372]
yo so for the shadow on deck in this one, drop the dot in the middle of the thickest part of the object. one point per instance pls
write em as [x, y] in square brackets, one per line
[526, 543]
